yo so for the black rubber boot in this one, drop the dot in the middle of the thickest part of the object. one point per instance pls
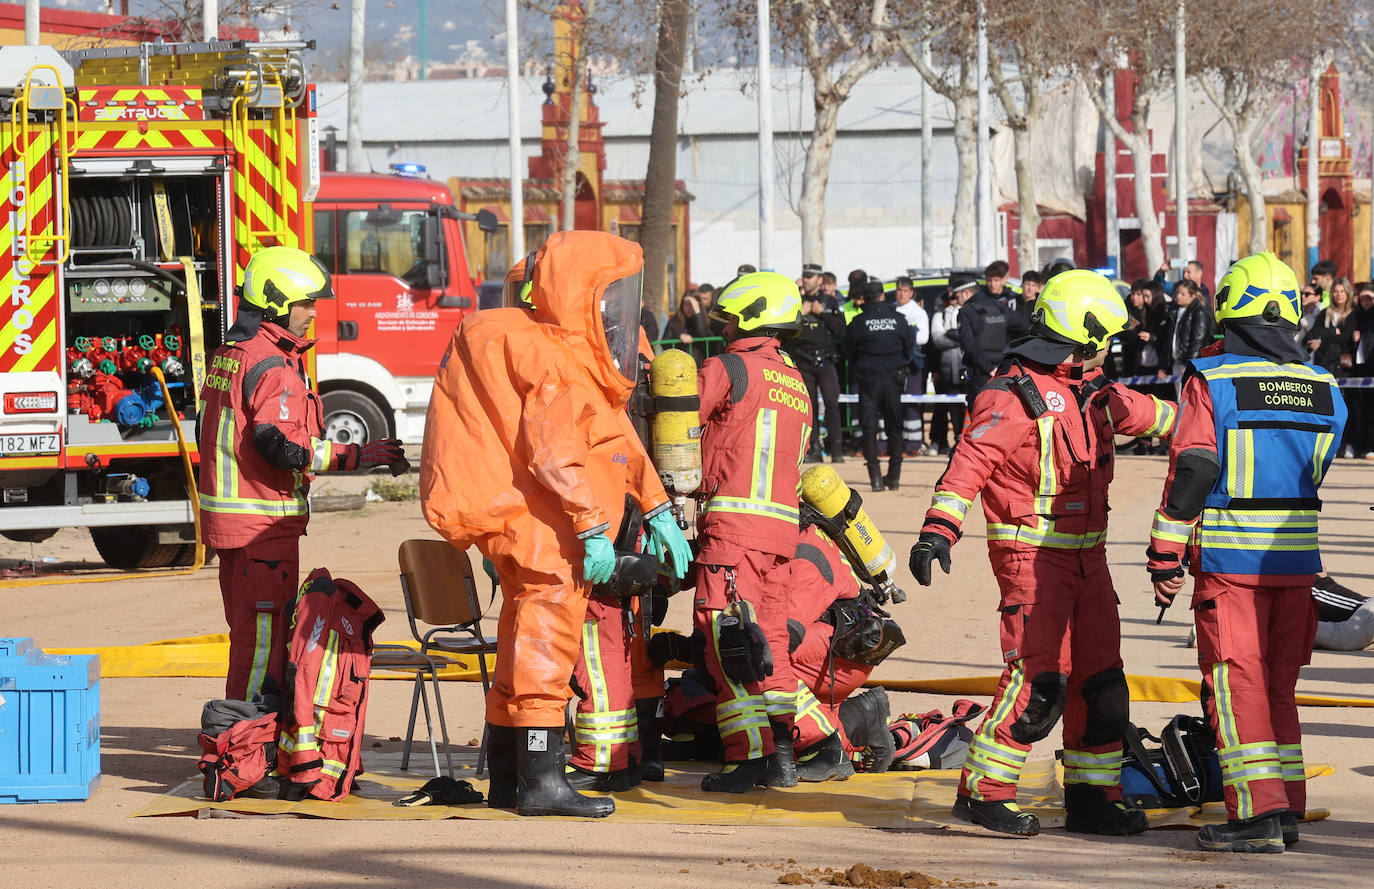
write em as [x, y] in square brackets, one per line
[650, 739]
[1288, 825]
[501, 741]
[1261, 834]
[865, 719]
[825, 761]
[1089, 811]
[737, 777]
[541, 786]
[875, 478]
[893, 477]
[602, 782]
[1002, 816]
[782, 768]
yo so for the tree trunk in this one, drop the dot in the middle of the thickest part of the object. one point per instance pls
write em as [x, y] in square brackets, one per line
[1028, 253]
[963, 241]
[816, 176]
[1151, 236]
[1254, 189]
[656, 214]
[572, 154]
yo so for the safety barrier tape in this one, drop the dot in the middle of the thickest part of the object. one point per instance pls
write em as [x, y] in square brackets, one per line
[208, 657]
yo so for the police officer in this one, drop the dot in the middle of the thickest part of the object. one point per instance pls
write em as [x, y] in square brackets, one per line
[985, 328]
[877, 344]
[815, 351]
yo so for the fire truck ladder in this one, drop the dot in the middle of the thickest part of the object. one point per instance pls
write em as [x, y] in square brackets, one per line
[263, 87]
[40, 98]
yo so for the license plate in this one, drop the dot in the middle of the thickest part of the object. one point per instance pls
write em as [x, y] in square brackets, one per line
[28, 443]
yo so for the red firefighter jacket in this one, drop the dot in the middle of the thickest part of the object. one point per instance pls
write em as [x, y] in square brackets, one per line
[259, 440]
[325, 700]
[756, 419]
[1043, 479]
[820, 577]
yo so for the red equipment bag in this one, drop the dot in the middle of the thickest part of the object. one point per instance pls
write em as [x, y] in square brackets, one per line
[932, 740]
[236, 758]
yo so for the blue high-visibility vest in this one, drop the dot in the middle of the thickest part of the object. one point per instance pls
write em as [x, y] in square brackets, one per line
[1278, 428]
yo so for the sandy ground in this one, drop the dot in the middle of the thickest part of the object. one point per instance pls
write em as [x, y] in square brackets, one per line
[150, 727]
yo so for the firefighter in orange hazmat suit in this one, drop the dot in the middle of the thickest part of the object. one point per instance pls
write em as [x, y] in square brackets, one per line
[529, 455]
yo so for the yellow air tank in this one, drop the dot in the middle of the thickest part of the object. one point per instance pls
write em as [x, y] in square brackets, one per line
[851, 528]
[676, 420]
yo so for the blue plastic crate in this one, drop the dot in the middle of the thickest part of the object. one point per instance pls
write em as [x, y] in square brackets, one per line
[15, 646]
[49, 727]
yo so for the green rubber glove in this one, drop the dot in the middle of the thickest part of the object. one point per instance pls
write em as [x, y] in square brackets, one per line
[599, 561]
[670, 544]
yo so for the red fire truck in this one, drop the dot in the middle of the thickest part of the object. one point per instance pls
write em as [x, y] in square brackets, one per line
[137, 182]
[394, 243]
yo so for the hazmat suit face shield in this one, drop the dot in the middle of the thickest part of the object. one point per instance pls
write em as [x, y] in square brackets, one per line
[620, 307]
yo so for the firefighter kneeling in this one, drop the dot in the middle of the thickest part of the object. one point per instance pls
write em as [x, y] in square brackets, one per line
[1038, 446]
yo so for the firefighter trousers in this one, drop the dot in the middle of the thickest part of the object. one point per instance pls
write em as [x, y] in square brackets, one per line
[1061, 641]
[258, 584]
[1251, 642]
[743, 712]
[539, 634]
[829, 681]
[604, 725]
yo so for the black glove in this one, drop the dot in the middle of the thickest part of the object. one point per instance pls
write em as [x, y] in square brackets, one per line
[665, 647]
[744, 654]
[383, 451]
[929, 547]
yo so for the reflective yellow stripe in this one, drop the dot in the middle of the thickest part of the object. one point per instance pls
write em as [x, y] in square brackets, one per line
[241, 505]
[1284, 530]
[745, 712]
[764, 447]
[1264, 370]
[600, 698]
[810, 708]
[1320, 449]
[1228, 733]
[780, 703]
[1290, 759]
[1240, 462]
[1049, 485]
[1165, 528]
[333, 768]
[226, 478]
[1102, 769]
[1043, 534]
[322, 454]
[1164, 419]
[1007, 761]
[951, 504]
[262, 652]
[750, 506]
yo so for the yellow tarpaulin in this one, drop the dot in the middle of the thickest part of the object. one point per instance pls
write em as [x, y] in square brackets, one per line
[891, 800]
[208, 656]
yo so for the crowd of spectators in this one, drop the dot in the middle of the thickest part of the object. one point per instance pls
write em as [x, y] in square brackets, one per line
[955, 333]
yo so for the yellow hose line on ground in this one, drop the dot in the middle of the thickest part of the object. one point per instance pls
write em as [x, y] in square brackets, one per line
[208, 656]
[192, 489]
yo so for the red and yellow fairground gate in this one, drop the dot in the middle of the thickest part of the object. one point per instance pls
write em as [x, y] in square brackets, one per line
[137, 182]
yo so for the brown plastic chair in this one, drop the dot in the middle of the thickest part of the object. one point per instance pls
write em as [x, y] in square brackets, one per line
[445, 617]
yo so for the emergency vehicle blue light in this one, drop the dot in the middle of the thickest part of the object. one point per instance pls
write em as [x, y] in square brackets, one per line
[408, 169]
[1106, 271]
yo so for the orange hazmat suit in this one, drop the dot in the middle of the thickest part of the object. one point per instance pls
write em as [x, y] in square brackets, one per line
[528, 449]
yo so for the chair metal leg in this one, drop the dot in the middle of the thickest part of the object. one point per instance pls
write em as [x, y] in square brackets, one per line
[410, 729]
[429, 725]
[486, 687]
[443, 728]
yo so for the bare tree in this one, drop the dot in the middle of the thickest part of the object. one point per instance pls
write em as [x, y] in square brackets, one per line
[953, 28]
[1243, 83]
[838, 43]
[1141, 32]
[660, 179]
[1027, 34]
